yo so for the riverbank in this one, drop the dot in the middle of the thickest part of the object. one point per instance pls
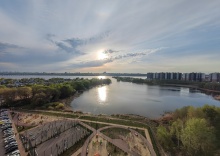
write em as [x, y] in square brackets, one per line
[214, 93]
[217, 97]
[67, 102]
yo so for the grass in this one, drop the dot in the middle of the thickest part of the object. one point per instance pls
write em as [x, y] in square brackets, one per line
[96, 125]
[115, 151]
[23, 128]
[114, 133]
[140, 131]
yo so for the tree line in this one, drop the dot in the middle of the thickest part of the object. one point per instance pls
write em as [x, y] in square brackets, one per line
[203, 85]
[40, 94]
[192, 131]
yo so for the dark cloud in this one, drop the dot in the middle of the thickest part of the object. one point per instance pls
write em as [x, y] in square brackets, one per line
[71, 45]
[110, 51]
[68, 48]
[5, 46]
[97, 63]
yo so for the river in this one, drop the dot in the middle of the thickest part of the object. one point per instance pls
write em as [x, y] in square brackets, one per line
[130, 98]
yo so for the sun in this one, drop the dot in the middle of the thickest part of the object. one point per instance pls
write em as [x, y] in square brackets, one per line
[101, 55]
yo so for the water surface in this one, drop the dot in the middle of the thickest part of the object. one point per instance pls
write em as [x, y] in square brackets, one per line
[140, 99]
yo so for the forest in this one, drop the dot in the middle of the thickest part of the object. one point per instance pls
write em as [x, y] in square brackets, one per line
[192, 131]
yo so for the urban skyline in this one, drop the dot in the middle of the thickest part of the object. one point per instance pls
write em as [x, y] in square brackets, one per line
[113, 36]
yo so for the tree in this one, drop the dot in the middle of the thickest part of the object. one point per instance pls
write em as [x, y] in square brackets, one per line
[197, 137]
[24, 92]
[176, 129]
[66, 90]
[164, 137]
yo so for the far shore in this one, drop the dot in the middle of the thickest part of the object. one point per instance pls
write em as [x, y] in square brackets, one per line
[216, 97]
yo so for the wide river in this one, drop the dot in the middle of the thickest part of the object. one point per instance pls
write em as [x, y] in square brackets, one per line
[130, 98]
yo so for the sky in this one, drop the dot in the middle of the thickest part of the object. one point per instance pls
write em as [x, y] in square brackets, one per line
[136, 36]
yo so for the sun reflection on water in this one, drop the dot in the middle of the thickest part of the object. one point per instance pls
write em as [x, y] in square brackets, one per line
[102, 94]
[101, 77]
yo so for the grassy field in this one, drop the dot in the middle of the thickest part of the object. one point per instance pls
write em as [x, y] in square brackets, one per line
[23, 128]
[114, 151]
[96, 125]
[114, 133]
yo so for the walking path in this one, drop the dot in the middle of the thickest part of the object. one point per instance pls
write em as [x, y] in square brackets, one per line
[77, 153]
[20, 145]
[115, 142]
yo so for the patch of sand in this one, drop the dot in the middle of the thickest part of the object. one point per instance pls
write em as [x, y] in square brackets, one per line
[34, 119]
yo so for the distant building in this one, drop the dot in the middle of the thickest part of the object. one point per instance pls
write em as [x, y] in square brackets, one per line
[164, 76]
[198, 77]
[214, 77]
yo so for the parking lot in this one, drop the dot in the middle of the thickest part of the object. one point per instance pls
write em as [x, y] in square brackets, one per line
[53, 137]
[2, 149]
[8, 143]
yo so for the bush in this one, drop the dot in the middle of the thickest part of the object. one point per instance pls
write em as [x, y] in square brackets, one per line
[59, 106]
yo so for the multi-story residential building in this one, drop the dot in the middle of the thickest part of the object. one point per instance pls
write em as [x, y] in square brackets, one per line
[214, 77]
[178, 76]
[164, 76]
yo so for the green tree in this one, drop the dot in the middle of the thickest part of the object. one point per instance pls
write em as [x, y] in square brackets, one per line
[24, 92]
[197, 137]
[66, 90]
[176, 129]
[164, 138]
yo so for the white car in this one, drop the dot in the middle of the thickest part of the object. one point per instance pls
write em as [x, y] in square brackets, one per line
[14, 153]
[9, 137]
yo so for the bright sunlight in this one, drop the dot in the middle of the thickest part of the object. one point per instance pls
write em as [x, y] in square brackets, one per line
[101, 55]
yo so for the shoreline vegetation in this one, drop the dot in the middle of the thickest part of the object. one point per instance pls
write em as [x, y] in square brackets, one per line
[210, 88]
[38, 93]
[190, 131]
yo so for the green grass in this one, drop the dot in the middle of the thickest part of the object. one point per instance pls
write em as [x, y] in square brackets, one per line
[96, 125]
[115, 132]
[23, 128]
[140, 131]
[115, 151]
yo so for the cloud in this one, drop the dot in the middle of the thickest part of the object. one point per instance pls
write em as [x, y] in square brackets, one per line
[72, 45]
[110, 51]
[97, 63]
[79, 30]
[5, 46]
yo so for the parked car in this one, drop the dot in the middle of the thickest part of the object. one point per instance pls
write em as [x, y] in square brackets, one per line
[9, 141]
[12, 148]
[9, 137]
[14, 153]
[9, 147]
[11, 144]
